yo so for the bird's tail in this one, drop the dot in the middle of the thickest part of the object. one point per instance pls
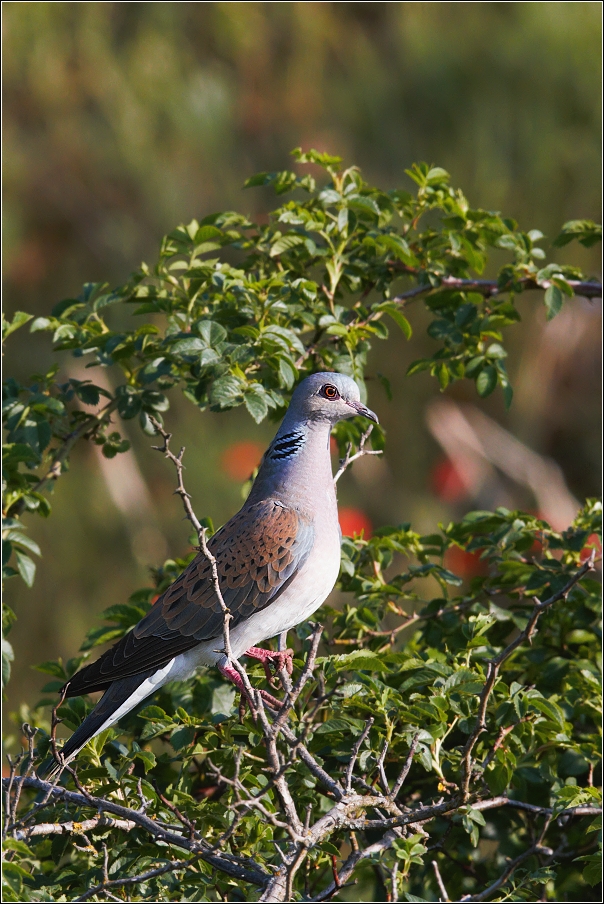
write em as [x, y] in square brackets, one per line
[112, 705]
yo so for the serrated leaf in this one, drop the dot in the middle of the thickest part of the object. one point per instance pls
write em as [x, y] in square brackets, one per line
[256, 402]
[286, 243]
[360, 660]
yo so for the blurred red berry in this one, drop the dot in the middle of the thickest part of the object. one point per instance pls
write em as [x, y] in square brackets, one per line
[464, 564]
[240, 459]
[333, 446]
[354, 521]
[446, 481]
[593, 542]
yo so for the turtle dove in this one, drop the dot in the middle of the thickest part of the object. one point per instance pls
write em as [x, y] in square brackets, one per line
[277, 561]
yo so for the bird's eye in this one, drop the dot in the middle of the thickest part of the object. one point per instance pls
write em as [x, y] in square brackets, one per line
[330, 392]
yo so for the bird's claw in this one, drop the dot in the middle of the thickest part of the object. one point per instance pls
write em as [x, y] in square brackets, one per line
[233, 675]
[280, 659]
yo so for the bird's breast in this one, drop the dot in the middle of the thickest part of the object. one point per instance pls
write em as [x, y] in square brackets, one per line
[301, 598]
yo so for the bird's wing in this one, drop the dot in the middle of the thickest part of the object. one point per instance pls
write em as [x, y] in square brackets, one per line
[257, 552]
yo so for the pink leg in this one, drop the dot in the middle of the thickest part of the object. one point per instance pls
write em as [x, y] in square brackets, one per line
[233, 675]
[281, 659]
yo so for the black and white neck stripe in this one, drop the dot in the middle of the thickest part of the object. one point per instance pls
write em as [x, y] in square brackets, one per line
[287, 446]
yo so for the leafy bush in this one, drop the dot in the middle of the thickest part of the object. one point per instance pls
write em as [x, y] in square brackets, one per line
[442, 740]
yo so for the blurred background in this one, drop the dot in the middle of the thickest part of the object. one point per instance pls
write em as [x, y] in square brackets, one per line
[123, 119]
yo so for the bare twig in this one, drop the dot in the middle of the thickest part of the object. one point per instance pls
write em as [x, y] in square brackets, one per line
[171, 867]
[489, 287]
[394, 881]
[355, 752]
[193, 833]
[405, 770]
[292, 695]
[483, 895]
[54, 723]
[9, 809]
[380, 769]
[350, 864]
[177, 461]
[349, 457]
[495, 802]
[439, 881]
[73, 827]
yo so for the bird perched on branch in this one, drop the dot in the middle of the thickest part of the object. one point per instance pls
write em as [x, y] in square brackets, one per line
[276, 561]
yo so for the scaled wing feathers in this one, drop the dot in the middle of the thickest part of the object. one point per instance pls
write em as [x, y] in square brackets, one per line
[257, 554]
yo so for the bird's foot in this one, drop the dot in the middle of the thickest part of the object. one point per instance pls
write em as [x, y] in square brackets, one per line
[233, 675]
[281, 659]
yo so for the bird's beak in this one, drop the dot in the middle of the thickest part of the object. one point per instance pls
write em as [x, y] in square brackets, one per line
[364, 411]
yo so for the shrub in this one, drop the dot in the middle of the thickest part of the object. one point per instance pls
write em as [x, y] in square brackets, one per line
[438, 738]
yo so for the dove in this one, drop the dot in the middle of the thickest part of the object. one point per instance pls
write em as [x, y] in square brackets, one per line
[277, 560]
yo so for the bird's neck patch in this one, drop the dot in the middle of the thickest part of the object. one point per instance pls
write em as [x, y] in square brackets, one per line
[287, 446]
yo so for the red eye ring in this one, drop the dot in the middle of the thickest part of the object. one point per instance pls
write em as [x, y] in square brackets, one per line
[330, 392]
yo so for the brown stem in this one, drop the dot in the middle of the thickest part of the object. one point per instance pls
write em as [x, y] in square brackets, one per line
[489, 287]
[439, 882]
[349, 457]
[483, 895]
[254, 699]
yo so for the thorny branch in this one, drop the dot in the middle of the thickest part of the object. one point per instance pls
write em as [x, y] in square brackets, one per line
[489, 287]
[177, 461]
[439, 881]
[349, 457]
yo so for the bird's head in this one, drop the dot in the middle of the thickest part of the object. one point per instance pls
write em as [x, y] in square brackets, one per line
[329, 397]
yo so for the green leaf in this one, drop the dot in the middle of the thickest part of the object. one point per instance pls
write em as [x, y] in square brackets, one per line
[51, 667]
[416, 366]
[147, 758]
[360, 660]
[18, 538]
[211, 332]
[437, 174]
[189, 346]
[27, 568]
[286, 243]
[554, 299]
[256, 402]
[333, 726]
[154, 714]
[486, 381]
[8, 657]
[586, 232]
[399, 318]
[287, 371]
[20, 318]
[227, 392]
[592, 871]
[128, 401]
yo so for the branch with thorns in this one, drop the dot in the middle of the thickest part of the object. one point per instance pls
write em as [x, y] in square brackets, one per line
[350, 457]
